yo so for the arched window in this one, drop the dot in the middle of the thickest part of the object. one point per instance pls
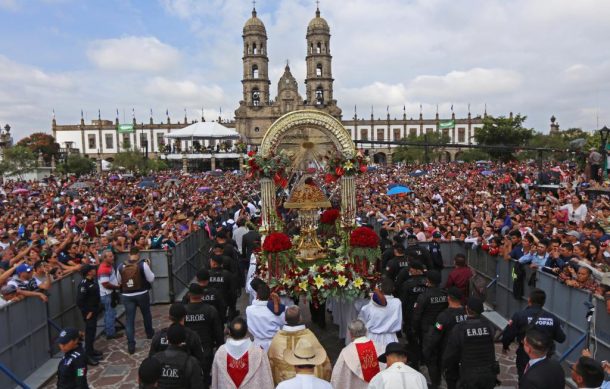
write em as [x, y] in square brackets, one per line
[256, 129]
[319, 70]
[311, 49]
[256, 97]
[254, 71]
[262, 49]
[247, 49]
[319, 95]
[319, 48]
[254, 48]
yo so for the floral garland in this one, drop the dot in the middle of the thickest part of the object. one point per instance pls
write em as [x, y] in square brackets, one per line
[340, 165]
[320, 282]
[364, 243]
[273, 166]
[277, 249]
[330, 216]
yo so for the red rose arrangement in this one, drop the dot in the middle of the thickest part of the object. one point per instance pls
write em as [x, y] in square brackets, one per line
[277, 248]
[364, 237]
[276, 242]
[329, 216]
[272, 166]
[364, 244]
[340, 165]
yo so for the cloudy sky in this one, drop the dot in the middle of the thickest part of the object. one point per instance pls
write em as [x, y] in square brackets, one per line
[536, 57]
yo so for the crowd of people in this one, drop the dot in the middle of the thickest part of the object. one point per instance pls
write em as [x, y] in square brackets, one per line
[413, 319]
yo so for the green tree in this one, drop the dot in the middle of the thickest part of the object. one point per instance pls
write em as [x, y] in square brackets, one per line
[39, 142]
[18, 160]
[130, 160]
[156, 165]
[410, 153]
[77, 164]
[502, 131]
[473, 155]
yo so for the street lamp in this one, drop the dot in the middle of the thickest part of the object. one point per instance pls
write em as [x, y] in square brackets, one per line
[604, 133]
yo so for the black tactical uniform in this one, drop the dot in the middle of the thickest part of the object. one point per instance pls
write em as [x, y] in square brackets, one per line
[521, 321]
[88, 301]
[435, 342]
[395, 266]
[435, 255]
[419, 253]
[192, 345]
[470, 350]
[210, 296]
[204, 320]
[179, 370]
[224, 282]
[408, 292]
[427, 307]
[72, 370]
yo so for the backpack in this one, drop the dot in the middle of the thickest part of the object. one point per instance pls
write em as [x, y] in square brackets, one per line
[133, 278]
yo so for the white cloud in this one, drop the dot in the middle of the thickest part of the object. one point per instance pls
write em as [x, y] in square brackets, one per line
[133, 53]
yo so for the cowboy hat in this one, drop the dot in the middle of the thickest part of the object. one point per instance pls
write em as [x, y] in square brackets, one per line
[305, 354]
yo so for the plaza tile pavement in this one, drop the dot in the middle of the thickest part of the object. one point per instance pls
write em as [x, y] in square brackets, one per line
[118, 369]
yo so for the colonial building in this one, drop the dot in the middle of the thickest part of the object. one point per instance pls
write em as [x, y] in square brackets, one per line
[258, 110]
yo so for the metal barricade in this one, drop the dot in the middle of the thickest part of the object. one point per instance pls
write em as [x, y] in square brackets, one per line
[160, 292]
[24, 339]
[62, 311]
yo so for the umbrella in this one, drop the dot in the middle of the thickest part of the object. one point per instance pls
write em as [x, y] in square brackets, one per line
[204, 189]
[487, 173]
[398, 190]
[172, 181]
[216, 173]
[394, 185]
[371, 168]
[418, 173]
[20, 191]
[147, 184]
[113, 177]
[80, 185]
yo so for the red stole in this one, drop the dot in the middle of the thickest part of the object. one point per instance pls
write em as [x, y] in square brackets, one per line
[368, 360]
[237, 368]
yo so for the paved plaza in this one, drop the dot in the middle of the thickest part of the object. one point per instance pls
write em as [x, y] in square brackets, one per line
[118, 369]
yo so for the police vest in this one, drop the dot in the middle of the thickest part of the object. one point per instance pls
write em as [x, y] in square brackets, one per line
[173, 370]
[478, 353]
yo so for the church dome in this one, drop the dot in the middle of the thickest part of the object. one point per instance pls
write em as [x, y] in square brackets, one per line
[254, 24]
[318, 23]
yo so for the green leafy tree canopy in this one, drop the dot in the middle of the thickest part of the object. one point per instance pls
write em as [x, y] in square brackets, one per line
[39, 142]
[503, 131]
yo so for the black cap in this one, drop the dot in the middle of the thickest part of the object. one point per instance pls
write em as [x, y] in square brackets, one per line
[434, 276]
[150, 371]
[177, 311]
[411, 237]
[87, 268]
[203, 275]
[176, 334]
[417, 265]
[455, 293]
[67, 334]
[475, 305]
[392, 348]
[195, 289]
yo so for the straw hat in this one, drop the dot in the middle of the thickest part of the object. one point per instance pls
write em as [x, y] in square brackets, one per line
[305, 354]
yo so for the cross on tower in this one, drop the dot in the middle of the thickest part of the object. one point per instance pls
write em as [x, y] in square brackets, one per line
[317, 3]
[253, 3]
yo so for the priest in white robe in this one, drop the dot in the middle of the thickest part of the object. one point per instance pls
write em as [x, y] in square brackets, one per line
[262, 322]
[357, 364]
[382, 316]
[239, 364]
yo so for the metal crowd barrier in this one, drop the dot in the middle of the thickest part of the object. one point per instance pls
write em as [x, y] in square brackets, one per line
[29, 328]
[570, 305]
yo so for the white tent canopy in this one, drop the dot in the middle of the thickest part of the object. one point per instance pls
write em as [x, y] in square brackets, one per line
[204, 130]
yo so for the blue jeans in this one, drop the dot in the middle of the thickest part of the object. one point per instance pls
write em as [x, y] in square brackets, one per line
[131, 303]
[109, 315]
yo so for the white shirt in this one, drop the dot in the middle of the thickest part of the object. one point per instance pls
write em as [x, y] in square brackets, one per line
[305, 381]
[576, 215]
[262, 323]
[112, 279]
[398, 376]
[238, 236]
[381, 320]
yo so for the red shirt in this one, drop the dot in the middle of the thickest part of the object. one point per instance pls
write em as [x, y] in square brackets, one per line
[460, 278]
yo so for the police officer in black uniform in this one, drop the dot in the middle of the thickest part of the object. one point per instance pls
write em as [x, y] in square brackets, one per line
[72, 369]
[531, 317]
[88, 301]
[210, 295]
[470, 350]
[408, 292]
[435, 340]
[205, 321]
[224, 282]
[427, 307]
[417, 252]
[179, 370]
[192, 344]
[435, 251]
[398, 262]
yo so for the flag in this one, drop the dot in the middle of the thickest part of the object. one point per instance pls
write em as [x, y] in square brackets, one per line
[387, 109]
[133, 113]
[420, 108]
[126, 128]
[167, 112]
[53, 113]
[151, 112]
[447, 124]
[451, 107]
[81, 113]
[117, 112]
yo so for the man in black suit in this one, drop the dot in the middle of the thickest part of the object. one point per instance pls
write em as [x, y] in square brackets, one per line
[541, 372]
